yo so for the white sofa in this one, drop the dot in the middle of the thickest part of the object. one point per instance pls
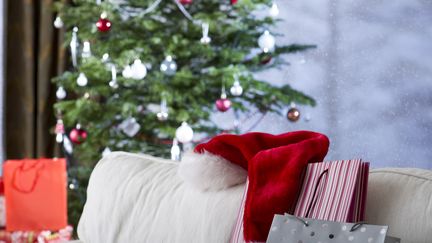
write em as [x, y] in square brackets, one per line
[139, 198]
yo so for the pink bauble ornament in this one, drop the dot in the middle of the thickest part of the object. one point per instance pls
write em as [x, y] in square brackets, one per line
[223, 104]
[186, 2]
[78, 135]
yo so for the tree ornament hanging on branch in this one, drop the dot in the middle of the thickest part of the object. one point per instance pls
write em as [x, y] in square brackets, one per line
[103, 24]
[106, 151]
[293, 113]
[61, 93]
[73, 184]
[184, 133]
[266, 58]
[223, 104]
[205, 39]
[82, 80]
[135, 71]
[113, 83]
[78, 135]
[236, 89]
[168, 66]
[130, 126]
[86, 51]
[266, 42]
[162, 115]
[74, 46]
[274, 10]
[175, 151]
[67, 145]
[185, 2]
[58, 22]
[59, 130]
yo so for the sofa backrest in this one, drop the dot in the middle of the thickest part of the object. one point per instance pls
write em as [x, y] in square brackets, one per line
[139, 198]
[402, 199]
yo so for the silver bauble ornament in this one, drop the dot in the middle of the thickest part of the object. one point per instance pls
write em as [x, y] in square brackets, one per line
[168, 66]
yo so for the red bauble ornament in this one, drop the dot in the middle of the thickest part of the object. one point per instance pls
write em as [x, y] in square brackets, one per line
[103, 24]
[233, 2]
[186, 2]
[78, 135]
[223, 104]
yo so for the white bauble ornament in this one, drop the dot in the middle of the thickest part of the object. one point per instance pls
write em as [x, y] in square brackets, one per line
[274, 10]
[86, 51]
[61, 93]
[139, 70]
[82, 80]
[168, 66]
[127, 72]
[236, 89]
[58, 22]
[266, 42]
[184, 133]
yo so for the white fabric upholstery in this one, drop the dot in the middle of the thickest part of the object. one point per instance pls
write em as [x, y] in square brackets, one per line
[402, 199]
[139, 198]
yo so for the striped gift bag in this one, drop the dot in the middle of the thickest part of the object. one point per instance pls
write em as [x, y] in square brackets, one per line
[237, 234]
[334, 191]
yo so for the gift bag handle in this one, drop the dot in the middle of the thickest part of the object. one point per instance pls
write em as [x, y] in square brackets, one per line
[314, 197]
[353, 228]
[34, 182]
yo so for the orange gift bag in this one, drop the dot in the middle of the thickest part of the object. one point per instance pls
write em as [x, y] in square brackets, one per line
[35, 192]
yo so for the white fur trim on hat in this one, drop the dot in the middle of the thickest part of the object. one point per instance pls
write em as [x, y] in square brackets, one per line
[211, 172]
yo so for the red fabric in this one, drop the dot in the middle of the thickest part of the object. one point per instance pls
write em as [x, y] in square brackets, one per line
[275, 164]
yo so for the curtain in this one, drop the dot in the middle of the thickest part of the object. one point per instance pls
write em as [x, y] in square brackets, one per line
[34, 55]
[2, 76]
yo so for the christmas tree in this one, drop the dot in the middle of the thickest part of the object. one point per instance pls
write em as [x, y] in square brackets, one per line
[140, 69]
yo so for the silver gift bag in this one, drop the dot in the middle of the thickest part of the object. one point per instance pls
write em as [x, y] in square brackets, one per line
[291, 229]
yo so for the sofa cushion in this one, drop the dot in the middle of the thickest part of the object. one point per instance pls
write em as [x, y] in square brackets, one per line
[402, 199]
[139, 198]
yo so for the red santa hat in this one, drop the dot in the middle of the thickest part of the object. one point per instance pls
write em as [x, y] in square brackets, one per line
[274, 165]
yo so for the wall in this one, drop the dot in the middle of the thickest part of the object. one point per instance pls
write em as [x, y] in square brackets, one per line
[371, 76]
